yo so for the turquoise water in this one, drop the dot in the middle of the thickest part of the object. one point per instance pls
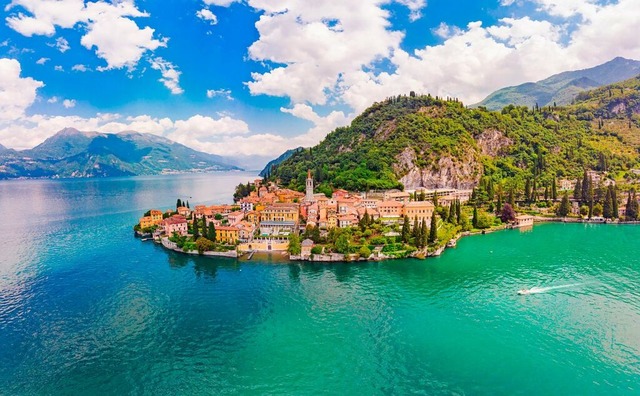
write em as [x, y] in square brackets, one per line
[85, 308]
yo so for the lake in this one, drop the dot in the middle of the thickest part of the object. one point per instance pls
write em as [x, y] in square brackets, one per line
[86, 308]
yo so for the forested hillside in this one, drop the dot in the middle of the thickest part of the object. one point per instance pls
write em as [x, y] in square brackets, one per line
[424, 141]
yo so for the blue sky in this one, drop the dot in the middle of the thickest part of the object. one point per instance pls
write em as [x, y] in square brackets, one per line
[255, 77]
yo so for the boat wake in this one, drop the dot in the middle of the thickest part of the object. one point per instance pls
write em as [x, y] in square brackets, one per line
[537, 290]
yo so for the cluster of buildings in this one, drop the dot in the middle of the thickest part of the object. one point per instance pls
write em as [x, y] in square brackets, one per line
[270, 212]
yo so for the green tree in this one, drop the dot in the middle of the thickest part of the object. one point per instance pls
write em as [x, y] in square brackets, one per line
[342, 243]
[458, 211]
[416, 229]
[631, 212]
[511, 199]
[554, 189]
[433, 230]
[435, 198]
[474, 219]
[203, 245]
[565, 206]
[577, 191]
[211, 231]
[614, 200]
[499, 203]
[451, 218]
[178, 203]
[527, 191]
[607, 208]
[365, 251]
[196, 231]
[406, 232]
[597, 209]
[295, 247]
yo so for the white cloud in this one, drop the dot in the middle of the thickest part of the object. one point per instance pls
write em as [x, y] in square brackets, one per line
[58, 68]
[42, 61]
[79, 68]
[318, 44]
[170, 75]
[415, 6]
[212, 93]
[108, 27]
[62, 45]
[568, 8]
[206, 15]
[69, 103]
[446, 31]
[221, 3]
[327, 54]
[53, 99]
[16, 93]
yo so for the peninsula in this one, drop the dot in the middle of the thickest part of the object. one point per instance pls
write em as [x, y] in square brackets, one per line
[413, 173]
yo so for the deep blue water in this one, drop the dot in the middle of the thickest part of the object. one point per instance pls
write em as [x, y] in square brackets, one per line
[85, 308]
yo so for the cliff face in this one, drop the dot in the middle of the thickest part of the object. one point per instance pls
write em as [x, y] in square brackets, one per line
[447, 172]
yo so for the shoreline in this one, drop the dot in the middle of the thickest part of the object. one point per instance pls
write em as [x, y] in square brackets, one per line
[340, 258]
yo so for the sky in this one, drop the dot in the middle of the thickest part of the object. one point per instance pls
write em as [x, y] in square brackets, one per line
[252, 78]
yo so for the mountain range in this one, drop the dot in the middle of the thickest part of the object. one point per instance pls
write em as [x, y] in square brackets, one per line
[562, 88]
[72, 153]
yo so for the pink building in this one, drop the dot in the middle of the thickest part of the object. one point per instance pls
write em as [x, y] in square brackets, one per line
[175, 223]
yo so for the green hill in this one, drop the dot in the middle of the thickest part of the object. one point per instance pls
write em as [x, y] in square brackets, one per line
[562, 88]
[422, 141]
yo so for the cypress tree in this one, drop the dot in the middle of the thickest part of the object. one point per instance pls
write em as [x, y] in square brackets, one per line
[188, 205]
[614, 200]
[565, 206]
[534, 194]
[527, 191]
[577, 191]
[511, 199]
[499, 204]
[584, 197]
[554, 191]
[211, 233]
[474, 220]
[416, 229]
[607, 208]
[435, 198]
[196, 232]
[178, 203]
[452, 213]
[423, 234]
[433, 230]
[546, 193]
[406, 230]
[458, 211]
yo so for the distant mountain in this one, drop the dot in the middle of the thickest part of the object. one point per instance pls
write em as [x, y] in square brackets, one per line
[285, 156]
[71, 153]
[562, 88]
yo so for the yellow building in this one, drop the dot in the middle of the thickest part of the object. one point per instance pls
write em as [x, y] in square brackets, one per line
[156, 216]
[146, 222]
[280, 212]
[253, 217]
[422, 210]
[227, 234]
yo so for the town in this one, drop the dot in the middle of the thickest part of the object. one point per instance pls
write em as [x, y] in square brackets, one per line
[359, 226]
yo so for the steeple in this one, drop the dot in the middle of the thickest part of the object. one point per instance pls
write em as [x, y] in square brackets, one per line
[309, 195]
